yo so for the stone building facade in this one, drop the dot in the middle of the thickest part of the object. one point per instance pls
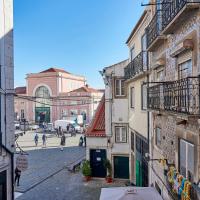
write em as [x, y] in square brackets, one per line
[173, 38]
[116, 120]
[6, 100]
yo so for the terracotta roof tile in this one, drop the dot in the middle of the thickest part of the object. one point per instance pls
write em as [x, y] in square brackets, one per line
[20, 90]
[86, 89]
[54, 70]
[97, 126]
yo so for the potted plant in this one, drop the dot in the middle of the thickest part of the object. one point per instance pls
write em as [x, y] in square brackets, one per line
[86, 170]
[108, 167]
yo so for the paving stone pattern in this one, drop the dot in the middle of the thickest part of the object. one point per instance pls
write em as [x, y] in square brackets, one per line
[68, 186]
[45, 162]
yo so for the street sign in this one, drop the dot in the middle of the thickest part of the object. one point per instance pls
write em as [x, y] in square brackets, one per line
[22, 162]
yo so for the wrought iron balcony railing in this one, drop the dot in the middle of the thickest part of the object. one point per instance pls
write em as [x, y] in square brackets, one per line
[137, 65]
[154, 28]
[181, 96]
[171, 8]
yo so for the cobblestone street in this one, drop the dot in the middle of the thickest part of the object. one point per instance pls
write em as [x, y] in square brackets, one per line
[67, 186]
[47, 177]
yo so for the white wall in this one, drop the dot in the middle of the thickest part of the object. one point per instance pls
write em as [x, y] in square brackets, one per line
[95, 143]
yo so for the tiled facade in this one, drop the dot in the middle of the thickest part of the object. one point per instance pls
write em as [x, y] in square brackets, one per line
[178, 112]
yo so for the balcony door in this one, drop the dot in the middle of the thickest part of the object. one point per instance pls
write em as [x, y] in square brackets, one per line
[144, 50]
[159, 14]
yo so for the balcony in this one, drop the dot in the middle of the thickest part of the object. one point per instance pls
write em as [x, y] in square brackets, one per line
[181, 96]
[175, 12]
[136, 66]
[153, 31]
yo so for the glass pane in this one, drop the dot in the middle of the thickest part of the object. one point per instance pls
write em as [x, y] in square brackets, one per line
[144, 96]
[123, 134]
[117, 87]
[122, 88]
[132, 98]
[117, 134]
[190, 162]
[182, 153]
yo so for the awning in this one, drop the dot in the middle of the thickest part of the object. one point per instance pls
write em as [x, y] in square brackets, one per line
[130, 193]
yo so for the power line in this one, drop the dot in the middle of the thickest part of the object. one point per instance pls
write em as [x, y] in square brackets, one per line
[58, 105]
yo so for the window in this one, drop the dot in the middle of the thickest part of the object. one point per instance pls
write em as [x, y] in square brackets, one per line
[158, 137]
[132, 53]
[119, 87]
[185, 69]
[186, 159]
[160, 75]
[120, 134]
[132, 141]
[132, 96]
[22, 114]
[144, 96]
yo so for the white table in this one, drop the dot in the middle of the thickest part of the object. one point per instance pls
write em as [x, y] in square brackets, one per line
[119, 193]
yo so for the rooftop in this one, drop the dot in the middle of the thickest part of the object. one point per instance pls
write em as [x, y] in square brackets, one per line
[54, 70]
[97, 126]
[87, 89]
[20, 90]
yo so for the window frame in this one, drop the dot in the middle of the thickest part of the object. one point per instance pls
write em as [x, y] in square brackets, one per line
[180, 72]
[156, 138]
[142, 96]
[22, 114]
[120, 126]
[120, 87]
[186, 155]
[132, 141]
[132, 97]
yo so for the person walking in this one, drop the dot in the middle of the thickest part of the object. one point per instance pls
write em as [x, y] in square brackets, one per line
[84, 138]
[44, 139]
[62, 142]
[36, 139]
[17, 175]
[81, 141]
[67, 128]
[59, 131]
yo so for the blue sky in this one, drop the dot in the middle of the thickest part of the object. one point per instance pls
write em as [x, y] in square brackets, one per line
[80, 36]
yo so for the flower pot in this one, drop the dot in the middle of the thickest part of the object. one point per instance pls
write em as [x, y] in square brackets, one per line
[87, 178]
[109, 179]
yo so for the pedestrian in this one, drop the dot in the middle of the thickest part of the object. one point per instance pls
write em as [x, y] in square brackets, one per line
[17, 175]
[62, 142]
[59, 131]
[81, 141]
[67, 128]
[36, 139]
[44, 139]
[85, 140]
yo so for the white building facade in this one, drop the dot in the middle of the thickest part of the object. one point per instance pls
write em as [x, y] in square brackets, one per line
[116, 120]
[6, 100]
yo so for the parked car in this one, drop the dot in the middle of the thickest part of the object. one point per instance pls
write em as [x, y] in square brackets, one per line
[64, 123]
